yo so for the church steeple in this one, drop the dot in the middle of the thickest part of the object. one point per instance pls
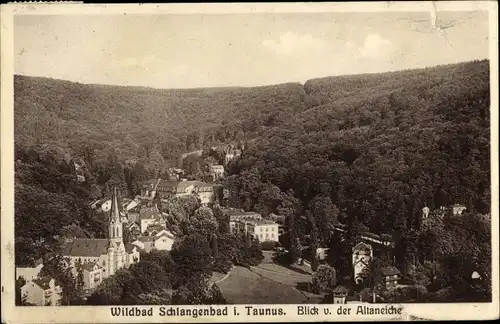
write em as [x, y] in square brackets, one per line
[115, 210]
[115, 223]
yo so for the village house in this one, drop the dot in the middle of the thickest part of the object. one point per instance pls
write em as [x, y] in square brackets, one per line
[163, 241]
[166, 189]
[203, 191]
[216, 171]
[425, 212]
[262, 229]
[144, 243]
[92, 276]
[158, 238]
[236, 215]
[128, 204]
[458, 209]
[101, 205]
[30, 273]
[134, 229]
[390, 276]
[148, 218]
[111, 253]
[339, 295]
[321, 254]
[362, 254]
[42, 292]
[231, 154]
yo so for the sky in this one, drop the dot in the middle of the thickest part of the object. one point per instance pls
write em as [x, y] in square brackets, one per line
[212, 50]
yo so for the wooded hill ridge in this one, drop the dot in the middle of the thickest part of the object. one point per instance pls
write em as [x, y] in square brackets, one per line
[370, 143]
[67, 116]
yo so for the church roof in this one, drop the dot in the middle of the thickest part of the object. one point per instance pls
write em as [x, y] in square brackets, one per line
[87, 247]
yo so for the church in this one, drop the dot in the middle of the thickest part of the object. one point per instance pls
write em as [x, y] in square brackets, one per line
[109, 254]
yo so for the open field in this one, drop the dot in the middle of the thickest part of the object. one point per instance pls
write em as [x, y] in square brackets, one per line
[246, 287]
[266, 284]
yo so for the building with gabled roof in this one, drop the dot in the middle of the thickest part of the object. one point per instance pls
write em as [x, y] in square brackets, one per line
[362, 254]
[92, 276]
[42, 292]
[339, 295]
[111, 254]
[390, 276]
[30, 273]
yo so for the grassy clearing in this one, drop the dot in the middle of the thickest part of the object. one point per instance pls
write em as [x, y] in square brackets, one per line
[246, 287]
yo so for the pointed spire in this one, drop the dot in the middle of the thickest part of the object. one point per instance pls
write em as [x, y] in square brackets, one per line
[115, 208]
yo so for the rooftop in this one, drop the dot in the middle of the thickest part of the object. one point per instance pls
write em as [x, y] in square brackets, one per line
[43, 283]
[87, 247]
[362, 246]
[340, 290]
[390, 271]
[89, 266]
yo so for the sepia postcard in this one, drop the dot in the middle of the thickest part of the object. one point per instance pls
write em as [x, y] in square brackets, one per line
[256, 162]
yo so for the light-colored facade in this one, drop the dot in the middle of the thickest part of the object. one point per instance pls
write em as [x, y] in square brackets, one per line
[266, 230]
[163, 241]
[339, 295]
[216, 171]
[391, 276]
[458, 209]
[262, 229]
[42, 292]
[29, 273]
[362, 254]
[92, 276]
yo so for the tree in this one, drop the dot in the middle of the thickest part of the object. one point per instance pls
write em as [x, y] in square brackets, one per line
[193, 258]
[314, 243]
[79, 278]
[95, 191]
[324, 279]
[325, 214]
[202, 222]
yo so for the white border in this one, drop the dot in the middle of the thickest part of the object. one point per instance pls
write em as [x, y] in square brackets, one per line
[101, 314]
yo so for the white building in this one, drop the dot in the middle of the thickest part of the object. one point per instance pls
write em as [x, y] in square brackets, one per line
[92, 276]
[458, 209]
[149, 218]
[42, 292]
[216, 171]
[362, 254]
[163, 241]
[201, 190]
[262, 229]
[29, 273]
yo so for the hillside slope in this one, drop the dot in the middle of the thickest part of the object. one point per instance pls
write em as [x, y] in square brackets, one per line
[379, 146]
[68, 116]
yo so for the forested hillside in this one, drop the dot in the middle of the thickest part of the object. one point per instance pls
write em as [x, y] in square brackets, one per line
[372, 149]
[378, 147]
[132, 122]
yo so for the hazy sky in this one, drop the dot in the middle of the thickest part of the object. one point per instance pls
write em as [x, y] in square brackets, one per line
[178, 51]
